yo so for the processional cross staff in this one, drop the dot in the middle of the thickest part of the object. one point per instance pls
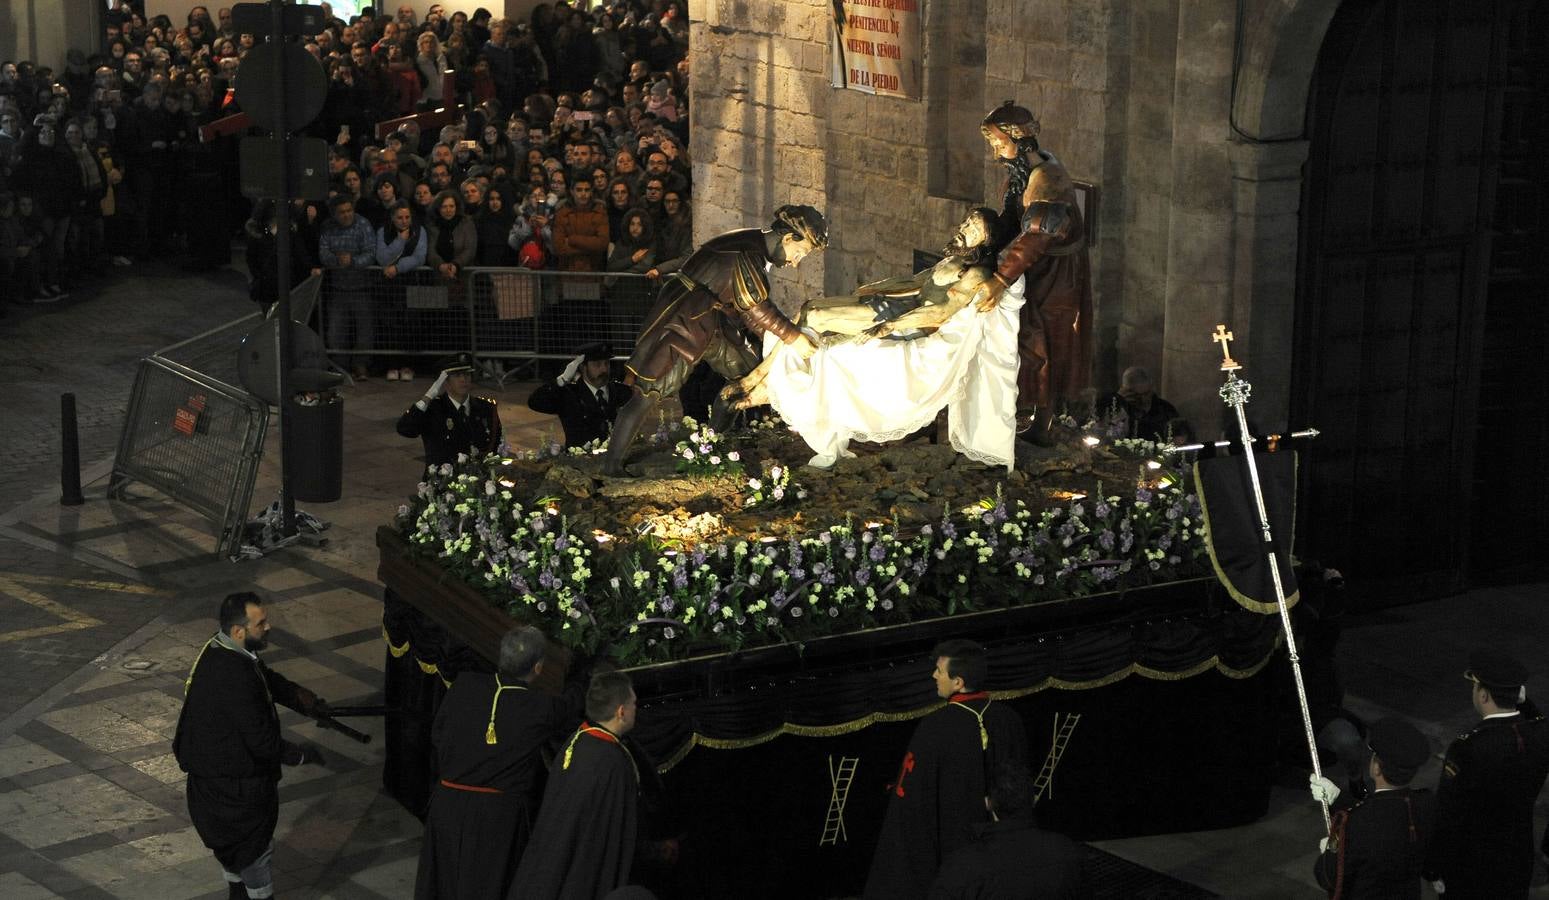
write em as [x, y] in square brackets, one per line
[1235, 394]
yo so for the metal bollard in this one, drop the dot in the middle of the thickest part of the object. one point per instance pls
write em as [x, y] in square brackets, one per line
[70, 457]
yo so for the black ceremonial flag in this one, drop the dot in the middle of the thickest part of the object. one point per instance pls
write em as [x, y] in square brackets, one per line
[1232, 531]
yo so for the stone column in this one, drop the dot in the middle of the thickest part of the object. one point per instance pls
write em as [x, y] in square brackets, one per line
[1200, 228]
[1267, 188]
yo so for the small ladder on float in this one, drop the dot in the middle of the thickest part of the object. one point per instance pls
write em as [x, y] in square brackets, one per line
[1064, 727]
[841, 777]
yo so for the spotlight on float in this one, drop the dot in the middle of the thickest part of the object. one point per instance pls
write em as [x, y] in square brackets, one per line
[1091, 440]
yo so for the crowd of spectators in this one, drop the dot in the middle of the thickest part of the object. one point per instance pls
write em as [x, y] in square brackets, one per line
[566, 151]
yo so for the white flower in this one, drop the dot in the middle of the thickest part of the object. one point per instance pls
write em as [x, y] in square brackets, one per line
[715, 460]
[734, 456]
[755, 484]
[775, 472]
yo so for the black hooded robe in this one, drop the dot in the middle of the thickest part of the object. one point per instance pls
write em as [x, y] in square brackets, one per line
[481, 809]
[583, 843]
[939, 794]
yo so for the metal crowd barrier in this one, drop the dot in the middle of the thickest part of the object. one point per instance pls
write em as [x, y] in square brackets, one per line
[196, 439]
[514, 316]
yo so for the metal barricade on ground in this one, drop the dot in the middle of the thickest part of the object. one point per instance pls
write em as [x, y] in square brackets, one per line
[196, 439]
[512, 317]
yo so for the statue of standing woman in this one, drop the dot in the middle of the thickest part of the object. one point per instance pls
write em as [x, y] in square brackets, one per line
[1045, 244]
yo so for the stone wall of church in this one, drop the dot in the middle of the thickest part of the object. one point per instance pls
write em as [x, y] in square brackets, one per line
[1194, 225]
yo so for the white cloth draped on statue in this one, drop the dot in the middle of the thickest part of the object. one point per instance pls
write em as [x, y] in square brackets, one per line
[882, 390]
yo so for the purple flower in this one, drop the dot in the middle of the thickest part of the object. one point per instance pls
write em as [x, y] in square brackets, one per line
[539, 525]
[778, 599]
[561, 541]
[1102, 509]
[1164, 541]
[713, 608]
[1105, 540]
[666, 603]
[849, 551]
[948, 530]
[819, 568]
[987, 518]
[826, 578]
[862, 576]
[1174, 512]
[679, 578]
[1143, 496]
[547, 581]
[519, 584]
[878, 553]
[697, 558]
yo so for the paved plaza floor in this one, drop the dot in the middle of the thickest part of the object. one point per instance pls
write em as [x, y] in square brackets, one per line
[103, 606]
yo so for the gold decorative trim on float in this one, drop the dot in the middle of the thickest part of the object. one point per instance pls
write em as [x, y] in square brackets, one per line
[1259, 606]
[698, 740]
[398, 650]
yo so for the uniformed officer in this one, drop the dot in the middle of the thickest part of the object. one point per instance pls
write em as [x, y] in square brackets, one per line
[1489, 783]
[454, 422]
[585, 396]
[1378, 846]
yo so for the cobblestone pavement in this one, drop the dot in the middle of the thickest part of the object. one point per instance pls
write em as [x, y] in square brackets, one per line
[103, 606]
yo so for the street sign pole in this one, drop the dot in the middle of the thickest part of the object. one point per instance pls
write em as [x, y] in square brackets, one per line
[282, 262]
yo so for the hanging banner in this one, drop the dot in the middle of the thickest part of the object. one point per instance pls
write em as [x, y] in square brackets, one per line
[876, 47]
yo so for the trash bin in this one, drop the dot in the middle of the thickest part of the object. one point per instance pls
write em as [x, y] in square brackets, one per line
[317, 447]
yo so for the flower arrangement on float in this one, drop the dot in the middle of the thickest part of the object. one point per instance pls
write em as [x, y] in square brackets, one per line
[646, 598]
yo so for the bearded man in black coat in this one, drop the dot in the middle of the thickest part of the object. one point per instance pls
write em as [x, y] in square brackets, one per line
[228, 741]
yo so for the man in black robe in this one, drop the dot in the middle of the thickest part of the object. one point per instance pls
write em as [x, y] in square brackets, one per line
[455, 422]
[1378, 845]
[228, 741]
[584, 396]
[489, 735]
[583, 842]
[1489, 783]
[944, 778]
[1010, 858]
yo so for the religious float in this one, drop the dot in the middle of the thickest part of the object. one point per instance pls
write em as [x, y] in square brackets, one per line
[777, 621]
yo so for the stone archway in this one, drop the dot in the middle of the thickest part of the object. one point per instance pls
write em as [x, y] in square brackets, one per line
[1279, 52]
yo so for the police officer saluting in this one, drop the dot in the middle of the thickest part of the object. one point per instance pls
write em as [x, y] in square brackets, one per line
[1489, 782]
[1378, 846]
[585, 396]
[454, 422]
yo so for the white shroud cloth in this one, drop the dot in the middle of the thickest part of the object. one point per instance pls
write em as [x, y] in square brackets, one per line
[882, 390]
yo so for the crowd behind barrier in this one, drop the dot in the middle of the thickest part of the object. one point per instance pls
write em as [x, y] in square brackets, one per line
[497, 313]
[563, 148]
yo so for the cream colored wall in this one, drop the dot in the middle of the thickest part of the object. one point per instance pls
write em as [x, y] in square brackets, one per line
[42, 30]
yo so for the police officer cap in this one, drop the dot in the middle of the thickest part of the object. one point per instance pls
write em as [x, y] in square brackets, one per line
[1490, 666]
[1398, 743]
[597, 352]
[462, 362]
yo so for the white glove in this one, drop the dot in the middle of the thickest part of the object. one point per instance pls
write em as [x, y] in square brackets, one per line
[435, 388]
[571, 372]
[1323, 790]
[1439, 886]
[1323, 845]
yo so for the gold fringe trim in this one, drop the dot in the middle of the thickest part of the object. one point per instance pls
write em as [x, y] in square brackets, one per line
[1242, 599]
[698, 740]
[397, 651]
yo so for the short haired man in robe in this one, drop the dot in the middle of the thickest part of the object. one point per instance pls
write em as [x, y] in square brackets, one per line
[945, 775]
[583, 842]
[489, 736]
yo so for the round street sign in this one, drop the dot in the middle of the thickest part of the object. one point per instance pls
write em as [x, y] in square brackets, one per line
[306, 86]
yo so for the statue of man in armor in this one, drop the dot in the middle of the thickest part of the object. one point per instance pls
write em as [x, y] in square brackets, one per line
[701, 313]
[1047, 247]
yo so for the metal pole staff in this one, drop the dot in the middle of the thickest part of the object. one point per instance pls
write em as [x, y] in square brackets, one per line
[282, 336]
[1235, 394]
